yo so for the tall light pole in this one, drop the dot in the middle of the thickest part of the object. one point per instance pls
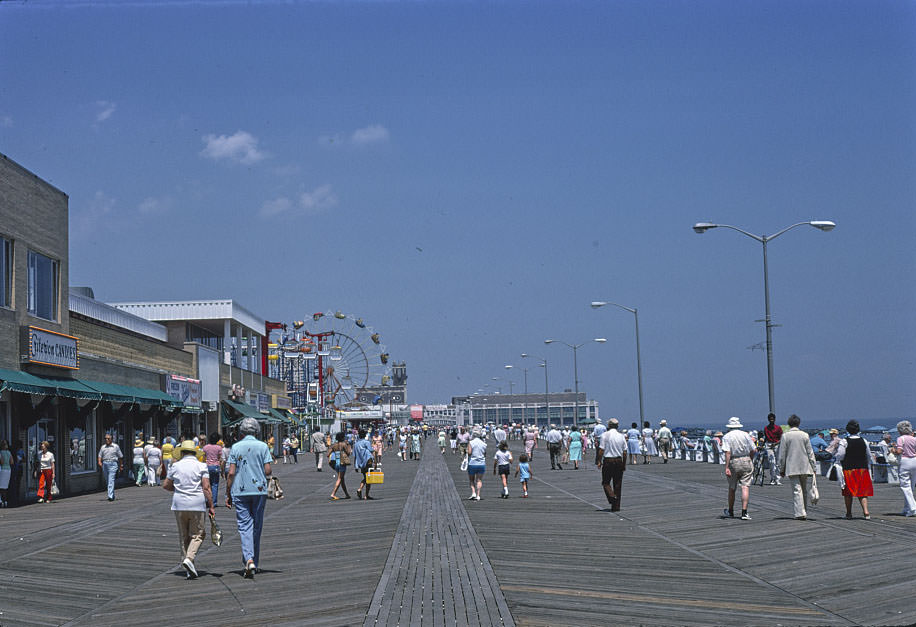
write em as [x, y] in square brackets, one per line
[525, 404]
[543, 365]
[601, 303]
[823, 225]
[575, 349]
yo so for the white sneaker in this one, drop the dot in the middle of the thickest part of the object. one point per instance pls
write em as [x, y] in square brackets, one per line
[188, 565]
[477, 498]
[472, 497]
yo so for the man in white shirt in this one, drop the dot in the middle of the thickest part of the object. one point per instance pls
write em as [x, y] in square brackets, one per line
[499, 434]
[612, 460]
[477, 464]
[597, 432]
[739, 466]
[665, 437]
[554, 445]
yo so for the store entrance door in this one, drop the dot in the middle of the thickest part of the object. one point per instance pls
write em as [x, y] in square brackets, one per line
[43, 429]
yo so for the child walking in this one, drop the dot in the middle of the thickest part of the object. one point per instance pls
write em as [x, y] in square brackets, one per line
[524, 473]
[502, 462]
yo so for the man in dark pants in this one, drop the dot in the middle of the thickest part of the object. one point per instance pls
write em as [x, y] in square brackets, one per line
[555, 446]
[612, 453]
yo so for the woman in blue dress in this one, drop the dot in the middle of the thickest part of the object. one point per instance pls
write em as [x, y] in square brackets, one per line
[633, 435]
[575, 447]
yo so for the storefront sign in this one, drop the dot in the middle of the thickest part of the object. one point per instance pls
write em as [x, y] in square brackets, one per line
[282, 402]
[50, 348]
[183, 389]
[263, 402]
[416, 413]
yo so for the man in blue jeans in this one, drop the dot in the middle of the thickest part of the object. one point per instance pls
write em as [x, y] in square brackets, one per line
[246, 490]
[111, 462]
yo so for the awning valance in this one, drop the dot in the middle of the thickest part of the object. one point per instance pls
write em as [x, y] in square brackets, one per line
[128, 394]
[247, 411]
[28, 383]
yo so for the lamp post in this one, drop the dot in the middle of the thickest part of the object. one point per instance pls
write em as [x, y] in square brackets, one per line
[822, 225]
[600, 303]
[575, 348]
[525, 404]
[543, 365]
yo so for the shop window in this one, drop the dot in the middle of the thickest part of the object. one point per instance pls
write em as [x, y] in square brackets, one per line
[6, 272]
[83, 445]
[43, 286]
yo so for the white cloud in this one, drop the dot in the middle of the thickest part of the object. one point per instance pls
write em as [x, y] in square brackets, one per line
[105, 110]
[275, 207]
[241, 147]
[308, 203]
[91, 221]
[372, 134]
[317, 200]
[154, 206]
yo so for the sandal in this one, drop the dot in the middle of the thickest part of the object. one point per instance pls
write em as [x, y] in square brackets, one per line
[334, 498]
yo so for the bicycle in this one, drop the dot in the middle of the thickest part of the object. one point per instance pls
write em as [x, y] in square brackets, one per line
[760, 466]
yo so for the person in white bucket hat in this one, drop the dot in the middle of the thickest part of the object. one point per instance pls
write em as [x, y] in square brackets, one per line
[739, 466]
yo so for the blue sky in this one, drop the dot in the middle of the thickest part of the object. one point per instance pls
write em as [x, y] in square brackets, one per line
[468, 176]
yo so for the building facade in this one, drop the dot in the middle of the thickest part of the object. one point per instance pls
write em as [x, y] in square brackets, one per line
[530, 409]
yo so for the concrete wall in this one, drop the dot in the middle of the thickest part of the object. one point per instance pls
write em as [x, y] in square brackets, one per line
[34, 215]
[126, 354]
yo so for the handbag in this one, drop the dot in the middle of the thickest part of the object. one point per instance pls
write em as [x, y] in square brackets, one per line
[374, 477]
[274, 491]
[332, 459]
[216, 534]
[464, 463]
[813, 495]
[55, 491]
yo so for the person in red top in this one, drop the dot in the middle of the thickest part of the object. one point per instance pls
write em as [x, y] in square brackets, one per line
[212, 453]
[772, 434]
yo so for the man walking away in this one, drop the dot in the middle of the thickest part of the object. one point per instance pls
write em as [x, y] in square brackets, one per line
[319, 447]
[739, 469]
[796, 461]
[111, 462]
[664, 439]
[246, 490]
[772, 434]
[612, 453]
[596, 438]
[554, 445]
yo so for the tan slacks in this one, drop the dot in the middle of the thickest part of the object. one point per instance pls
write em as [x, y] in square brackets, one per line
[800, 486]
[191, 531]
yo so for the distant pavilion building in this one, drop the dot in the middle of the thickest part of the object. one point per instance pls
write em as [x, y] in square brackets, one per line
[525, 408]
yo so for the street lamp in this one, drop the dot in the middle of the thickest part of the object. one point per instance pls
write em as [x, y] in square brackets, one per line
[601, 303]
[525, 404]
[575, 348]
[822, 225]
[543, 365]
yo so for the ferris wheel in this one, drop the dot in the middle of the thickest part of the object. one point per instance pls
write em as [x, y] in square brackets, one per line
[345, 354]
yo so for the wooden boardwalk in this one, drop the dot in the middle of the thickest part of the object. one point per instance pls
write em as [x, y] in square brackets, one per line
[419, 555]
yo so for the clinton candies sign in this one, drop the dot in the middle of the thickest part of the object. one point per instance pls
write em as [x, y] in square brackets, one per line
[53, 349]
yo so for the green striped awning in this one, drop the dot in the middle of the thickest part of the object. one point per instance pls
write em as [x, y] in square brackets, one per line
[128, 394]
[28, 383]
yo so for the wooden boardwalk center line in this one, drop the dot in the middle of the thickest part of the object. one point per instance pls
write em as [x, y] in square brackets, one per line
[437, 572]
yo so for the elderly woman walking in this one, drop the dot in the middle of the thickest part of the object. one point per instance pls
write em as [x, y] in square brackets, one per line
[855, 457]
[905, 449]
[188, 481]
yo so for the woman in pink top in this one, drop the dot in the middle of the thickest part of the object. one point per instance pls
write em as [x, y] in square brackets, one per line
[906, 450]
[212, 452]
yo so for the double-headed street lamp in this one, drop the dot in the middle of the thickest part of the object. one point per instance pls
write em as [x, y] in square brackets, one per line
[823, 225]
[543, 365]
[575, 348]
[601, 303]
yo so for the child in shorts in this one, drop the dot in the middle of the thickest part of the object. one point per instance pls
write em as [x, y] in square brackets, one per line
[524, 473]
[502, 462]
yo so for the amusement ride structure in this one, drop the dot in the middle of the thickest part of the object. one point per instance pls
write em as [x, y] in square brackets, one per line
[326, 359]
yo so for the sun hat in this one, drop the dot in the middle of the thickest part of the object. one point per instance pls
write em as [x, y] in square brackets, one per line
[734, 423]
[718, 434]
[138, 442]
[834, 432]
[662, 422]
[187, 447]
[151, 441]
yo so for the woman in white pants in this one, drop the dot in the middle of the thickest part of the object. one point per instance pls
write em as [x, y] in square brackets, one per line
[906, 451]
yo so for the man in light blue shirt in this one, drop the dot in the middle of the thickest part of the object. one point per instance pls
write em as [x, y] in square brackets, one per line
[596, 436]
[246, 490]
[362, 461]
